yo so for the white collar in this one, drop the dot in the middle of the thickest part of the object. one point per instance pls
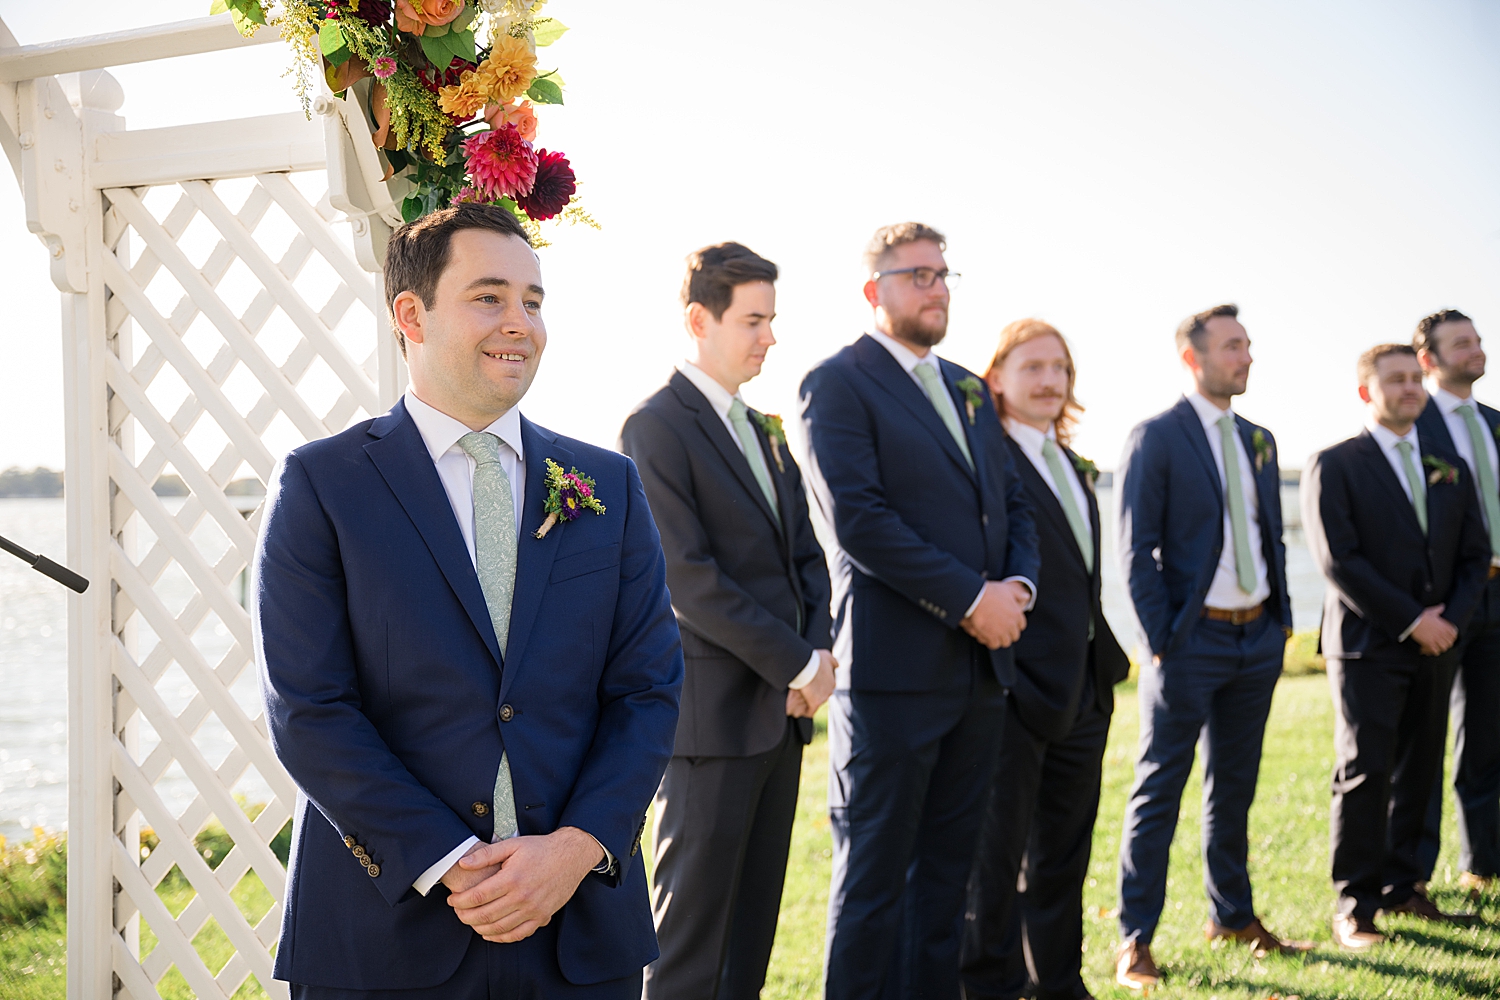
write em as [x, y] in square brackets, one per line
[718, 397]
[1386, 437]
[1208, 412]
[1447, 402]
[441, 432]
[905, 356]
[1028, 436]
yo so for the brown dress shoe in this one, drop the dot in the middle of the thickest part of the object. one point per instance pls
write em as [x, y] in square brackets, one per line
[1418, 905]
[1136, 969]
[1475, 885]
[1355, 933]
[1261, 941]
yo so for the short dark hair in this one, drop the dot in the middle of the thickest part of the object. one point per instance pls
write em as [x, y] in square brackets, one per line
[887, 238]
[417, 253]
[713, 273]
[1423, 339]
[1365, 369]
[1192, 329]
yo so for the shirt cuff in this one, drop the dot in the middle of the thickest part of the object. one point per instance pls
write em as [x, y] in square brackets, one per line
[977, 598]
[1409, 630]
[804, 678]
[1028, 585]
[607, 866]
[429, 878]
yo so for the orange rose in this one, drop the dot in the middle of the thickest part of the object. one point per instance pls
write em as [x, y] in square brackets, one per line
[415, 15]
[520, 115]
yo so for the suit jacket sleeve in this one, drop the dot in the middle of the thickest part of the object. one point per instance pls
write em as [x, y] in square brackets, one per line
[1278, 540]
[1471, 566]
[638, 694]
[812, 569]
[305, 652]
[870, 532]
[1023, 547]
[707, 601]
[1142, 488]
[1327, 506]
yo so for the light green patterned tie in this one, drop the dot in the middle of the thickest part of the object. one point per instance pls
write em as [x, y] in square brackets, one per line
[739, 417]
[1234, 490]
[1069, 505]
[932, 383]
[495, 559]
[1488, 490]
[1418, 488]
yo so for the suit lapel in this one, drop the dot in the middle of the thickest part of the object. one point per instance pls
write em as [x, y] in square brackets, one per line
[1263, 484]
[1095, 528]
[887, 372]
[1375, 455]
[1037, 487]
[718, 434]
[533, 555]
[952, 374]
[403, 461]
[1197, 437]
[1433, 424]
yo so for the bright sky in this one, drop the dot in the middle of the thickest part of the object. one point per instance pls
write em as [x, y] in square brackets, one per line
[1109, 167]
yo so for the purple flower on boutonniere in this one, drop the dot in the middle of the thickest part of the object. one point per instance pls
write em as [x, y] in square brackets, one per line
[569, 494]
[775, 433]
[1264, 452]
[974, 392]
[1442, 472]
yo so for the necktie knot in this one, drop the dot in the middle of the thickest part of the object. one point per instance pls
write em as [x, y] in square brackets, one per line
[1404, 447]
[481, 446]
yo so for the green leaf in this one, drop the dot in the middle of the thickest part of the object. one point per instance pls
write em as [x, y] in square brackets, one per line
[462, 44]
[548, 30]
[332, 44]
[219, 7]
[544, 91]
[465, 17]
[436, 50]
[251, 10]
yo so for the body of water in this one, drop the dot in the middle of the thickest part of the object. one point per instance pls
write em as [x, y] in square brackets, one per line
[34, 662]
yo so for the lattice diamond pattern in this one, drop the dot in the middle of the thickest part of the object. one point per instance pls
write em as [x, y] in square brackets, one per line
[253, 355]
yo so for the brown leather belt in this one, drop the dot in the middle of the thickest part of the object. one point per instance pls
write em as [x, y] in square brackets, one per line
[1236, 616]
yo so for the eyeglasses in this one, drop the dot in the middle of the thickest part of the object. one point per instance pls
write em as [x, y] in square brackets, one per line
[923, 277]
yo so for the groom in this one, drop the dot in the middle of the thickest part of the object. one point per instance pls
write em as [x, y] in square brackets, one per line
[469, 662]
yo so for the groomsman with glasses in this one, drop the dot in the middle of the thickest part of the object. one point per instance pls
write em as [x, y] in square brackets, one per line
[1203, 557]
[750, 591]
[1392, 519]
[1038, 827]
[1449, 349]
[935, 569]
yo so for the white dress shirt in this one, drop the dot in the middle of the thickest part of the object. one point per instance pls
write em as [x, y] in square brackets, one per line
[1387, 439]
[1448, 405]
[721, 399]
[908, 361]
[1030, 439]
[1224, 592]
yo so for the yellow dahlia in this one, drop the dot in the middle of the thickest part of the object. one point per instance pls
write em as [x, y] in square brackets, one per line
[508, 72]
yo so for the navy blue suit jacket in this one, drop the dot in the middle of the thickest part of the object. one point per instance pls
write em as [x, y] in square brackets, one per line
[918, 530]
[1432, 425]
[389, 706]
[1172, 523]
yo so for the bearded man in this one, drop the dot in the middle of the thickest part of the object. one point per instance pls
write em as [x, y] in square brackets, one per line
[933, 572]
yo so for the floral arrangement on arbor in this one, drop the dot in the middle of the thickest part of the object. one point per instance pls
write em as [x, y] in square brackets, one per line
[453, 93]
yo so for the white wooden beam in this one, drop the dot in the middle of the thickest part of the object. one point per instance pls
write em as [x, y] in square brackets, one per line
[161, 41]
[237, 148]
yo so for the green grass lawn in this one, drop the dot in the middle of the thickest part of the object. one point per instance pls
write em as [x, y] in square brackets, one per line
[1289, 862]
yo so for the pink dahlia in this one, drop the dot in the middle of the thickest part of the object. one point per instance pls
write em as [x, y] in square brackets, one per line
[501, 162]
[553, 188]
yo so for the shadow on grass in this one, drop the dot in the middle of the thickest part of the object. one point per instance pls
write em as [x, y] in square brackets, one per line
[1435, 939]
[1460, 982]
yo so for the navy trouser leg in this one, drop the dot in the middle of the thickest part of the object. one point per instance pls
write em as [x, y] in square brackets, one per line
[1416, 771]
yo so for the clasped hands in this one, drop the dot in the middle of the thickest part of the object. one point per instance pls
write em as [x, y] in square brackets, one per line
[506, 891]
[1434, 633]
[1000, 617]
[804, 702]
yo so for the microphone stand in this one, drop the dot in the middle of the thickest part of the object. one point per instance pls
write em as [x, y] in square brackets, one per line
[45, 566]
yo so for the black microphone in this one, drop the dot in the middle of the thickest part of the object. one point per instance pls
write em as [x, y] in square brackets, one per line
[45, 566]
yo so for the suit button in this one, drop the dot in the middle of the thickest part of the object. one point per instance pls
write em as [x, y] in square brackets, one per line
[349, 842]
[359, 852]
[507, 713]
[374, 871]
[480, 809]
[364, 859]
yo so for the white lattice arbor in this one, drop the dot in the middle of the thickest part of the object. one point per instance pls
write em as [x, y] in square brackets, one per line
[217, 311]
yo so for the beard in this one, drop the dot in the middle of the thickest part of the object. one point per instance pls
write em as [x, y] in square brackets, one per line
[916, 330]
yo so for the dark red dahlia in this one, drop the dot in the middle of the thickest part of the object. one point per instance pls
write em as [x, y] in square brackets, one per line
[553, 188]
[372, 12]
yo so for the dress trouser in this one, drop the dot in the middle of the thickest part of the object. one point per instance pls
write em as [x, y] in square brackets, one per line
[1474, 708]
[1023, 932]
[1216, 691]
[525, 970]
[723, 829]
[908, 778]
[1388, 755]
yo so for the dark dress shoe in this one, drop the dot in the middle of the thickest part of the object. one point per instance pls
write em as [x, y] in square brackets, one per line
[1355, 933]
[1261, 941]
[1418, 905]
[1475, 885]
[1135, 968]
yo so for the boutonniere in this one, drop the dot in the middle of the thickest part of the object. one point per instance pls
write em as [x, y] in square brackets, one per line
[1264, 451]
[1441, 472]
[973, 391]
[1087, 469]
[569, 494]
[771, 424]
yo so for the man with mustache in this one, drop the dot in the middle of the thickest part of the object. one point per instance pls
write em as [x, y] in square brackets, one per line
[1204, 561]
[935, 568]
[1039, 824]
[1449, 348]
[1393, 522]
[750, 591]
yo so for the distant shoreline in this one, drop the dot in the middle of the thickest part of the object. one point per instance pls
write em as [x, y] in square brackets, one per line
[47, 484]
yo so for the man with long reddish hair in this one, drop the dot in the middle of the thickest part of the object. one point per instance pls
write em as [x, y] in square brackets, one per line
[1040, 817]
